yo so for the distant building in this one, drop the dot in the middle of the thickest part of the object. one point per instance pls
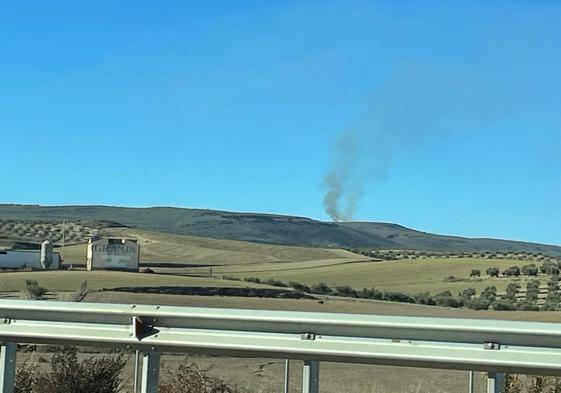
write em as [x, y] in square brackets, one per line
[45, 259]
[113, 254]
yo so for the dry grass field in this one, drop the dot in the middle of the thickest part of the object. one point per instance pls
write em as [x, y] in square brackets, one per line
[163, 247]
[356, 306]
[410, 276]
[70, 280]
[194, 256]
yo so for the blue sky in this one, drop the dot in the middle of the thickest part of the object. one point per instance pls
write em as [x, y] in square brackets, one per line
[454, 108]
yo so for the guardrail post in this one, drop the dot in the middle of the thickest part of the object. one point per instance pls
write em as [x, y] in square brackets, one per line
[310, 377]
[471, 382]
[150, 372]
[495, 382]
[137, 371]
[286, 376]
[8, 363]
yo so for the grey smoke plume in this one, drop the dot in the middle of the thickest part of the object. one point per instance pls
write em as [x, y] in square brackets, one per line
[416, 104]
[342, 191]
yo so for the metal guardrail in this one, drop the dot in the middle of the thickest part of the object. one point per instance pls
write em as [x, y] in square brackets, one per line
[445, 343]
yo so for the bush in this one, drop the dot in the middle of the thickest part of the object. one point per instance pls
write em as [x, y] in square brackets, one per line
[101, 375]
[489, 294]
[191, 379]
[530, 270]
[276, 283]
[492, 272]
[446, 299]
[252, 279]
[504, 305]
[478, 304]
[552, 302]
[467, 293]
[475, 273]
[526, 305]
[321, 289]
[372, 294]
[398, 297]
[34, 290]
[511, 291]
[299, 286]
[553, 283]
[513, 271]
[345, 291]
[424, 298]
[532, 290]
[549, 268]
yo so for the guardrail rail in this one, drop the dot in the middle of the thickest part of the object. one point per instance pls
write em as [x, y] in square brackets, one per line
[490, 346]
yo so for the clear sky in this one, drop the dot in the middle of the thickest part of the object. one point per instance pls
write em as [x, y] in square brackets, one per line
[454, 108]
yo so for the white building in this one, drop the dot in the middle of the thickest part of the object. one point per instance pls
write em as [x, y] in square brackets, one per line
[45, 259]
[113, 254]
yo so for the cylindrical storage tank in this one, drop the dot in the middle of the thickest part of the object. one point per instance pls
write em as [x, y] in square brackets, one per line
[46, 254]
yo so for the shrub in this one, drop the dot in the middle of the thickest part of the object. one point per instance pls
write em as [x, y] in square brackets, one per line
[467, 293]
[530, 270]
[191, 379]
[276, 283]
[34, 290]
[252, 279]
[231, 278]
[475, 273]
[321, 288]
[489, 294]
[504, 305]
[526, 305]
[101, 375]
[552, 302]
[492, 272]
[512, 288]
[513, 384]
[553, 283]
[511, 291]
[299, 286]
[532, 290]
[424, 298]
[446, 299]
[345, 291]
[513, 271]
[398, 297]
[375, 294]
[478, 304]
[364, 293]
[549, 268]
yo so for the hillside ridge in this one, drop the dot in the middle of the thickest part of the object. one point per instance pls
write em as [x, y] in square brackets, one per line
[270, 228]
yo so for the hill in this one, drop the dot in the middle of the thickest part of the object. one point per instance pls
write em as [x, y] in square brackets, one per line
[269, 228]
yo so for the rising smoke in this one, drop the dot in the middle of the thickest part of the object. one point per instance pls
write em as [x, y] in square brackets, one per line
[414, 105]
[338, 179]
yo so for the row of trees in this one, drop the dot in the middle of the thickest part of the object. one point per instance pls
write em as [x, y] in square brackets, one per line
[407, 254]
[468, 298]
[551, 268]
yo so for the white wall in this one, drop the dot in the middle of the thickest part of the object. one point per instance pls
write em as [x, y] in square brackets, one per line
[32, 259]
[111, 254]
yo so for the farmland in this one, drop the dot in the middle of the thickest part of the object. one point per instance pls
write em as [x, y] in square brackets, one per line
[186, 261]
